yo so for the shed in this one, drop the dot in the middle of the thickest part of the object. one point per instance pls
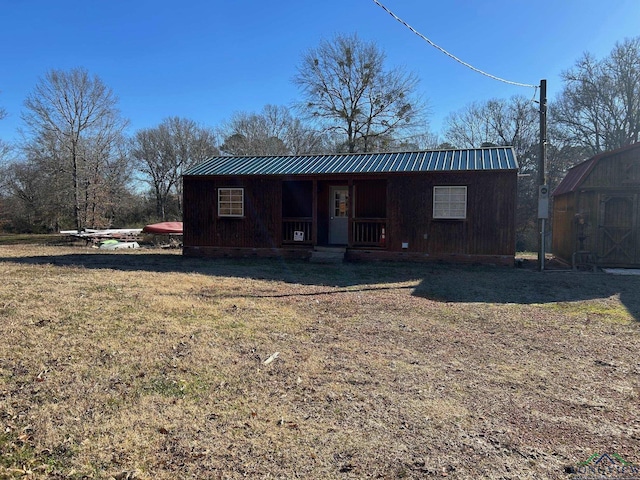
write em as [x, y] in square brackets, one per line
[596, 211]
[455, 205]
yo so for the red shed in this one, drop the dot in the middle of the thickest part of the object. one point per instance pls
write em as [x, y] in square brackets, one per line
[456, 205]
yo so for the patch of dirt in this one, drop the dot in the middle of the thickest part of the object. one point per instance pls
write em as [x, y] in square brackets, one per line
[149, 365]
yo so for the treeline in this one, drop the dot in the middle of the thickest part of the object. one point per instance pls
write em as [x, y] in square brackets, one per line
[77, 168]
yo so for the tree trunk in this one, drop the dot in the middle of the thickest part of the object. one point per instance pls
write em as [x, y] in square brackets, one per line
[160, 208]
[76, 187]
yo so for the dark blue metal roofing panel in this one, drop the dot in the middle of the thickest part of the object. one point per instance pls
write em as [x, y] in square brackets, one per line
[494, 158]
[413, 158]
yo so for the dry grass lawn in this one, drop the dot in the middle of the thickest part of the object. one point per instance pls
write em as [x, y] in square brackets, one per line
[148, 365]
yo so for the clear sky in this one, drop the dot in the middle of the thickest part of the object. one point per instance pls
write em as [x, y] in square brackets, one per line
[205, 60]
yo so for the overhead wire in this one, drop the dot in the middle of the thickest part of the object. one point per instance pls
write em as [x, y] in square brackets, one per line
[477, 70]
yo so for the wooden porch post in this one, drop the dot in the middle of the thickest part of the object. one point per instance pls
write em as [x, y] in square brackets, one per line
[314, 213]
[350, 206]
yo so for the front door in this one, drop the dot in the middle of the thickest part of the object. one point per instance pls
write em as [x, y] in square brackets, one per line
[339, 216]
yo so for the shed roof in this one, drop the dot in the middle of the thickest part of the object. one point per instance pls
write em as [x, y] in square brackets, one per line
[574, 177]
[577, 174]
[494, 158]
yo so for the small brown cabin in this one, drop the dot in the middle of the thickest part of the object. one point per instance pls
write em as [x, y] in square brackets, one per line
[596, 211]
[455, 205]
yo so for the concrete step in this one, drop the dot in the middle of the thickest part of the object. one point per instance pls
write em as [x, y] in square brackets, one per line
[319, 248]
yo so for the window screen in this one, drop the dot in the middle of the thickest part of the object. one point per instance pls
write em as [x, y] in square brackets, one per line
[231, 202]
[450, 202]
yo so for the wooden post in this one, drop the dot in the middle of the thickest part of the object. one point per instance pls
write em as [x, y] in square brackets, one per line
[542, 161]
[314, 212]
[350, 213]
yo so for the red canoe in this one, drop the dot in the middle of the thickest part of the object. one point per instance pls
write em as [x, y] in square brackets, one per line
[164, 228]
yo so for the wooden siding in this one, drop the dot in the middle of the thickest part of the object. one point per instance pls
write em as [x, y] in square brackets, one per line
[370, 199]
[599, 218]
[489, 228]
[618, 171]
[563, 242]
[618, 236]
[259, 228]
[402, 203]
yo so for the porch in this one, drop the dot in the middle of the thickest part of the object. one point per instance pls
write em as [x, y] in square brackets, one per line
[346, 213]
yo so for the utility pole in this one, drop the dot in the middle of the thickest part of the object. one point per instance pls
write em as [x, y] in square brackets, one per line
[543, 188]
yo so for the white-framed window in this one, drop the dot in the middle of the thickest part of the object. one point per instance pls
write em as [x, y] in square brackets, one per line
[450, 202]
[231, 202]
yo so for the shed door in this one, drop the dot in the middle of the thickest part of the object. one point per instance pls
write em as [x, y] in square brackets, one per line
[617, 230]
[339, 216]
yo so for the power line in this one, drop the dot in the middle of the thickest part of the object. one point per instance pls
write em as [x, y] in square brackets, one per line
[477, 70]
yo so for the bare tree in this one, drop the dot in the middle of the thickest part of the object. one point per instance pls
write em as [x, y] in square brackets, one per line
[599, 106]
[31, 209]
[75, 124]
[5, 148]
[274, 131]
[253, 134]
[515, 123]
[163, 153]
[502, 122]
[347, 88]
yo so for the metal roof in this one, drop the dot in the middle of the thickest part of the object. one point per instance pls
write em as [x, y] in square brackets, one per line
[577, 174]
[494, 158]
[574, 177]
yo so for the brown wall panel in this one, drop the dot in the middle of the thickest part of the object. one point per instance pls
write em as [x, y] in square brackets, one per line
[203, 226]
[489, 228]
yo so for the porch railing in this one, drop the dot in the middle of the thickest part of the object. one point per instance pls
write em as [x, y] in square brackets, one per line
[367, 232]
[370, 232]
[291, 225]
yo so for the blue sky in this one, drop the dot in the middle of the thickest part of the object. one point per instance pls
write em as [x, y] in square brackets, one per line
[205, 60]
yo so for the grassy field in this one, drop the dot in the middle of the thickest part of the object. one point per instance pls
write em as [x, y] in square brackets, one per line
[148, 365]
